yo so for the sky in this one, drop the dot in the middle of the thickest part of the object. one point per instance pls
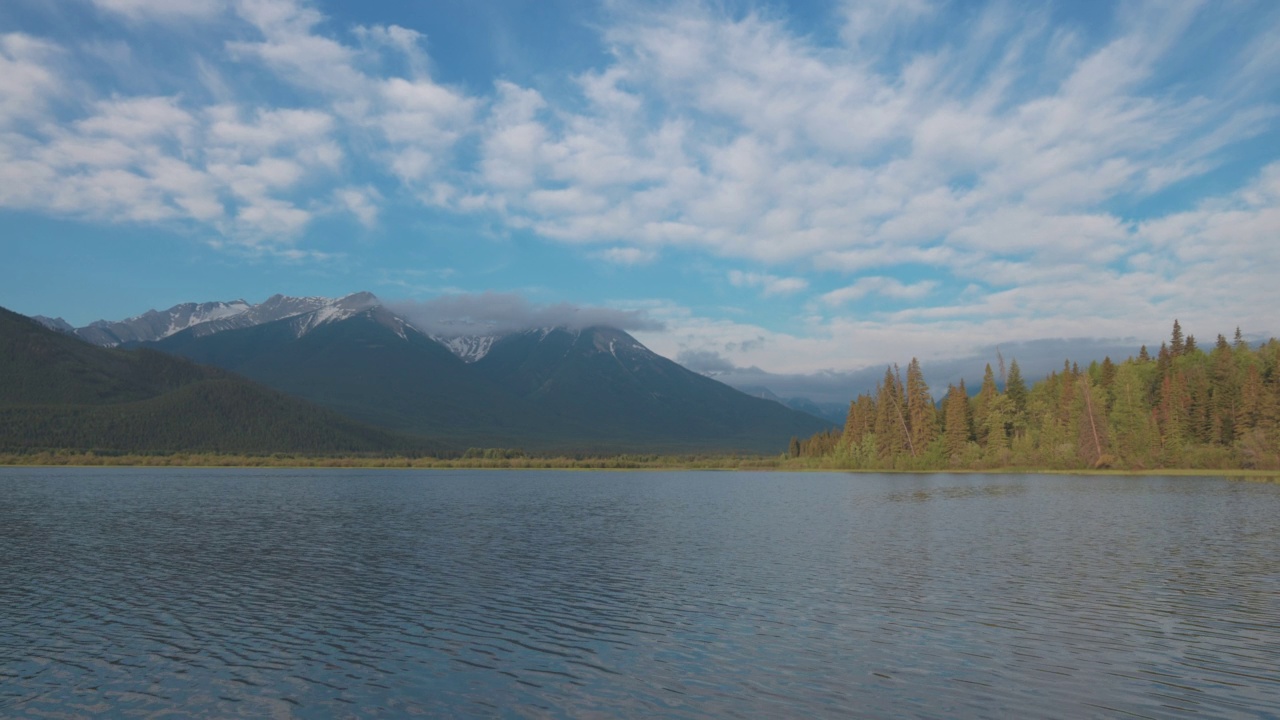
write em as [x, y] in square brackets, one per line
[799, 188]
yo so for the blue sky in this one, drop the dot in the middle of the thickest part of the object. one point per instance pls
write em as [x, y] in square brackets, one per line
[792, 186]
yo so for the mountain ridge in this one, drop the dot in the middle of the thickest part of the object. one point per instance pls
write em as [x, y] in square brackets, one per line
[60, 392]
[591, 388]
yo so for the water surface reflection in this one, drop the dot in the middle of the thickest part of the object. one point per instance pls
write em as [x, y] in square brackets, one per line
[547, 594]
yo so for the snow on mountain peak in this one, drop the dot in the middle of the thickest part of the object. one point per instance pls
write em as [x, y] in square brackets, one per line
[212, 317]
[468, 348]
[340, 309]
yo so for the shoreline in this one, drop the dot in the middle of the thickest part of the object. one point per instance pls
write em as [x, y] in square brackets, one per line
[621, 462]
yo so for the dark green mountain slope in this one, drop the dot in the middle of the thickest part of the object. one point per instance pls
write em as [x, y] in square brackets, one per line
[57, 391]
[623, 392]
[373, 368]
[553, 390]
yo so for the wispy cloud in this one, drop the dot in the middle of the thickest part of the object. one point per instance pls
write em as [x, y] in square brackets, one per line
[769, 285]
[988, 168]
[627, 256]
[878, 285]
[163, 10]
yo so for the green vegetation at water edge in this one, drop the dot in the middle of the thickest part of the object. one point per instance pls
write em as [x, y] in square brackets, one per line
[494, 459]
[1182, 408]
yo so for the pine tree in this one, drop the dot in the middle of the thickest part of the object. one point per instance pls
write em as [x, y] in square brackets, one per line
[892, 436]
[1016, 388]
[849, 435]
[1066, 400]
[982, 406]
[956, 414]
[1106, 373]
[1136, 435]
[1176, 343]
[1224, 391]
[1171, 413]
[1199, 405]
[922, 416]
[860, 421]
[1253, 394]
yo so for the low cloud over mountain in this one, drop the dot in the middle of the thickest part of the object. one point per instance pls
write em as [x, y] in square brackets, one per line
[1036, 359]
[492, 313]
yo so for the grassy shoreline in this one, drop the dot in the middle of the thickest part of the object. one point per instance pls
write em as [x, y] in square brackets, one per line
[618, 462]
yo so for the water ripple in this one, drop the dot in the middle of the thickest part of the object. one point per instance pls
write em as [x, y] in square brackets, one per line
[386, 594]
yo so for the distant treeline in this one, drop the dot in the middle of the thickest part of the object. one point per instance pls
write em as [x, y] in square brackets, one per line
[490, 458]
[1181, 408]
[218, 416]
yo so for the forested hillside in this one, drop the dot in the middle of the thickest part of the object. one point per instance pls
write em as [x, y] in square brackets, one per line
[1184, 407]
[58, 392]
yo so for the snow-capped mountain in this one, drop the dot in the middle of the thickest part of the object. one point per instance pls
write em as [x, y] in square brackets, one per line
[468, 348]
[552, 387]
[214, 317]
[342, 309]
[156, 324]
[304, 313]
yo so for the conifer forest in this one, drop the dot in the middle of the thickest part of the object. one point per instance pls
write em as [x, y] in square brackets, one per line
[1181, 407]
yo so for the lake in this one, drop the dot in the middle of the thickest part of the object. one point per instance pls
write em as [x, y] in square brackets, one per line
[337, 593]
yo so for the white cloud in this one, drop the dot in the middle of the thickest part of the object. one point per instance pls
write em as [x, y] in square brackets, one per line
[289, 46]
[627, 256]
[27, 78]
[879, 285]
[770, 285]
[416, 121]
[752, 143]
[152, 159]
[361, 202]
[137, 119]
[495, 313]
[267, 220]
[163, 10]
[1002, 160]
[874, 22]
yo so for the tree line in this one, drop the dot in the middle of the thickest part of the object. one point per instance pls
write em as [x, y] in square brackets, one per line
[1184, 407]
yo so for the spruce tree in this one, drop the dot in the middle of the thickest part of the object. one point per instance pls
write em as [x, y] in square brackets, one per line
[1253, 395]
[1016, 388]
[1177, 345]
[860, 421]
[956, 409]
[982, 406]
[892, 437]
[1224, 390]
[1136, 436]
[922, 416]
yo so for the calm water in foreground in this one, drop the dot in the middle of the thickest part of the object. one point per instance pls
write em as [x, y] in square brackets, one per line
[580, 594]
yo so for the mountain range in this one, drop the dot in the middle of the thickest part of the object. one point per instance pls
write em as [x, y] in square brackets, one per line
[565, 389]
[58, 392]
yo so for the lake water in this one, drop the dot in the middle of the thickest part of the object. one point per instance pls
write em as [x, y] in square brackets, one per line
[331, 593]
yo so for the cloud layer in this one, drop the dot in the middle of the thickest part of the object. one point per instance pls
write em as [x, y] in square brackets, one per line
[931, 178]
[494, 313]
